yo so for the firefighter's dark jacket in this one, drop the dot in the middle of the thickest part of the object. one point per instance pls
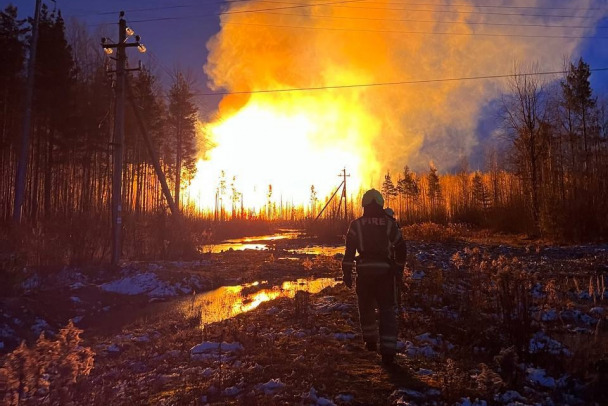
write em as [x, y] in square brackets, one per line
[377, 239]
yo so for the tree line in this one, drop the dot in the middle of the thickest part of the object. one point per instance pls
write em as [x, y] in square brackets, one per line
[551, 179]
[69, 165]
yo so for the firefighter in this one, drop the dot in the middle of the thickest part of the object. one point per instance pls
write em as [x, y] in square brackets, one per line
[377, 239]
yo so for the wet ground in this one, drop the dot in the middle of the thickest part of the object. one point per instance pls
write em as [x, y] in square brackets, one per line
[231, 329]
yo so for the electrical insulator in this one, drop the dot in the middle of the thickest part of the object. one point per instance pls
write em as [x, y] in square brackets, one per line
[141, 48]
[129, 31]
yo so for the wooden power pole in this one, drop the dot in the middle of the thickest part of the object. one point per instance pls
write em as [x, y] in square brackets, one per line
[343, 175]
[119, 128]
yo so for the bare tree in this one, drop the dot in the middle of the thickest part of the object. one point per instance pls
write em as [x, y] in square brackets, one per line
[527, 129]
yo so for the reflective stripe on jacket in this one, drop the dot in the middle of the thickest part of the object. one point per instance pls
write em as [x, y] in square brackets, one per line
[377, 240]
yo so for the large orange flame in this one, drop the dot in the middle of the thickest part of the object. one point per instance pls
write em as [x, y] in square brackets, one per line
[292, 140]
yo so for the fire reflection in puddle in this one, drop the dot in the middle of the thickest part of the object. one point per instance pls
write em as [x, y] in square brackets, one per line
[229, 301]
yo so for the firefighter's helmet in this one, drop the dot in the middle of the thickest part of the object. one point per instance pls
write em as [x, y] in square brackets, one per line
[370, 196]
[390, 212]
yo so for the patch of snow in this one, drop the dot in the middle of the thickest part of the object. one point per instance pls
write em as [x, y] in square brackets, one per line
[539, 377]
[543, 343]
[145, 283]
[210, 349]
[77, 319]
[424, 372]
[425, 350]
[208, 346]
[324, 402]
[509, 397]
[1, 345]
[549, 315]
[418, 275]
[598, 311]
[537, 291]
[436, 341]
[31, 283]
[204, 399]
[345, 398]
[7, 331]
[270, 387]
[232, 391]
[75, 299]
[39, 326]
[588, 320]
[311, 394]
[412, 393]
[467, 402]
[580, 330]
[77, 285]
[433, 392]
[344, 336]
[141, 339]
[114, 348]
[207, 372]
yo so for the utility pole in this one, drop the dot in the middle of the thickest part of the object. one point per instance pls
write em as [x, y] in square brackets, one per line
[119, 128]
[343, 175]
[27, 120]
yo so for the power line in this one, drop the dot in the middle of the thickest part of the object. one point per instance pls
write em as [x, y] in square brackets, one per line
[412, 20]
[311, 4]
[291, 5]
[484, 6]
[470, 34]
[396, 83]
[469, 12]
[266, 11]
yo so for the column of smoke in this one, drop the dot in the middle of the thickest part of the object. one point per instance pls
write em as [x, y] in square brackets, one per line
[414, 123]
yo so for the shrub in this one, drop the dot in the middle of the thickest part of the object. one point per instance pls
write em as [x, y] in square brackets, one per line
[432, 232]
[48, 372]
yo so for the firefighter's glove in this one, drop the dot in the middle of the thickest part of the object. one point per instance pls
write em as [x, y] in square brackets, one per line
[347, 275]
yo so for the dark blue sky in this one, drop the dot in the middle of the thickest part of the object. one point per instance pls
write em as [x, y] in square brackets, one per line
[171, 43]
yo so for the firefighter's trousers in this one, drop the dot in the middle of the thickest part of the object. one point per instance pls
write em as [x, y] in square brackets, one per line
[376, 288]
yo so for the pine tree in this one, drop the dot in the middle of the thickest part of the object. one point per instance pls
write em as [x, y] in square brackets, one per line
[388, 189]
[481, 198]
[434, 186]
[182, 120]
[313, 200]
[579, 98]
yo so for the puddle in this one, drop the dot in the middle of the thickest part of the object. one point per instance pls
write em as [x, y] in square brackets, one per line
[212, 306]
[229, 301]
[250, 243]
[329, 251]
